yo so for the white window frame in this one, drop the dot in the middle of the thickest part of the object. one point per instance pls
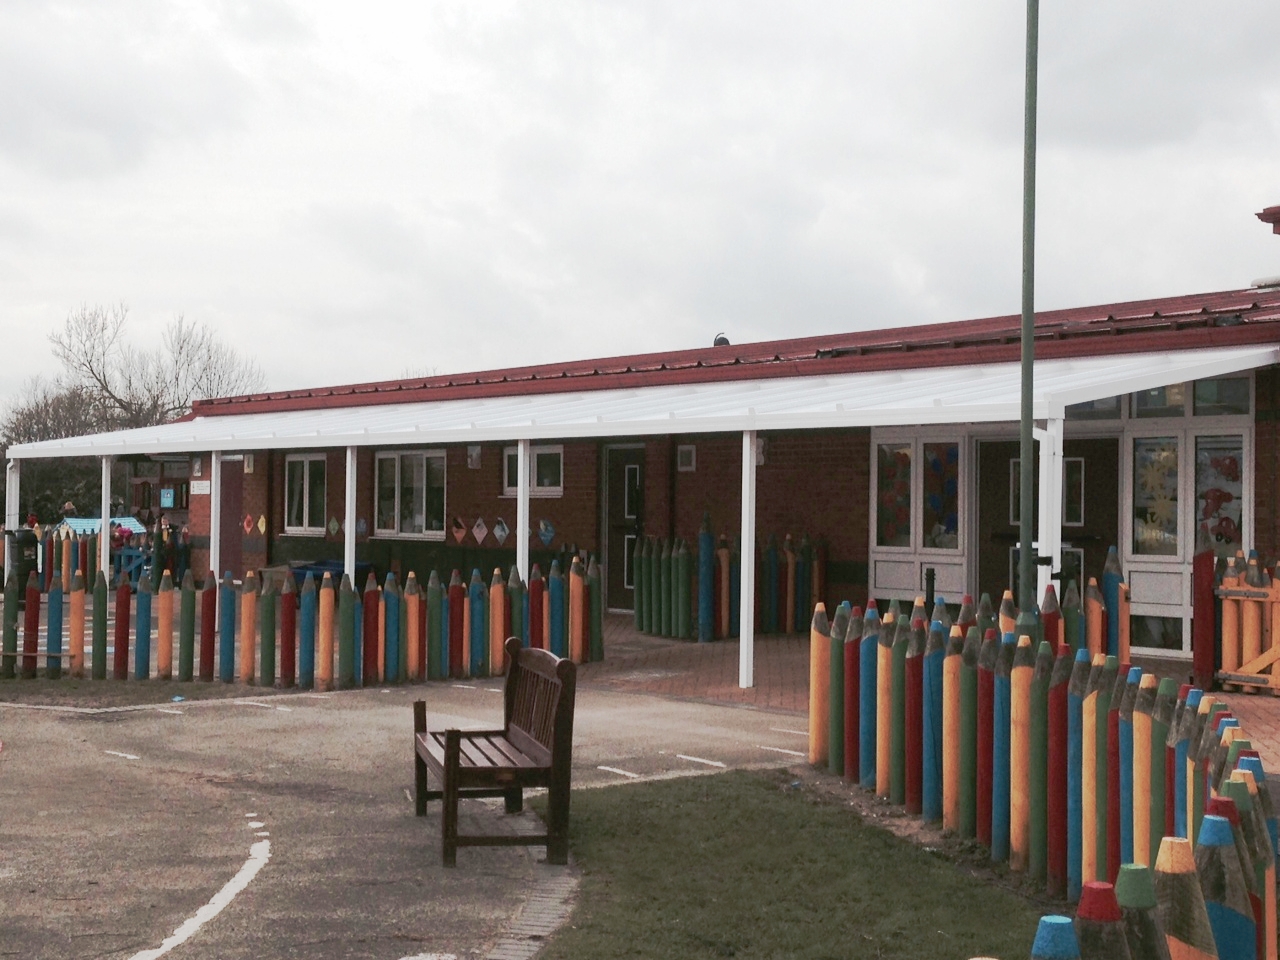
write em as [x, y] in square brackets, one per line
[388, 533]
[305, 458]
[535, 491]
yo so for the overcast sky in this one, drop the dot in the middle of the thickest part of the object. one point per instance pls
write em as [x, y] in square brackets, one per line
[361, 191]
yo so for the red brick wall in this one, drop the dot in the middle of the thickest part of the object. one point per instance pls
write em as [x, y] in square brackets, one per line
[1266, 455]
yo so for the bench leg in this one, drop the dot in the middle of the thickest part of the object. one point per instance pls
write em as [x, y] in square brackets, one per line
[514, 799]
[419, 765]
[558, 823]
[449, 816]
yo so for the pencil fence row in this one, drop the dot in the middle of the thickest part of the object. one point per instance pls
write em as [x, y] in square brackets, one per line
[318, 635]
[693, 591]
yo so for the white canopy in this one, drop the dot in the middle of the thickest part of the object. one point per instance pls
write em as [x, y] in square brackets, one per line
[955, 394]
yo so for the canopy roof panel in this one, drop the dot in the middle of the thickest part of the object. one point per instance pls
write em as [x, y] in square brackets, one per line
[956, 394]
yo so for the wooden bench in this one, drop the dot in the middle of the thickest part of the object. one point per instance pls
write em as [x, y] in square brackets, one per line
[533, 749]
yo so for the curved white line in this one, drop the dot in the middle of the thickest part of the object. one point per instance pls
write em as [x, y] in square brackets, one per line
[259, 854]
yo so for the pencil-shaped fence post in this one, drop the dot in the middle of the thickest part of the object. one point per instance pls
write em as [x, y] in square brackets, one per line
[1226, 893]
[1100, 924]
[988, 658]
[952, 667]
[868, 682]
[164, 627]
[142, 629]
[1057, 754]
[9, 659]
[558, 640]
[1128, 701]
[967, 617]
[370, 606]
[516, 604]
[577, 592]
[438, 628]
[457, 600]
[819, 685]
[1256, 855]
[120, 653]
[1080, 787]
[1038, 760]
[1181, 798]
[932, 722]
[248, 627]
[1112, 577]
[1093, 766]
[1161, 796]
[1021, 675]
[186, 628]
[851, 655]
[666, 586]
[1209, 708]
[308, 603]
[402, 638]
[637, 588]
[75, 631]
[898, 740]
[325, 628]
[31, 627]
[835, 688]
[478, 609]
[414, 639]
[884, 706]
[1094, 620]
[53, 629]
[98, 669]
[288, 643]
[390, 618]
[722, 590]
[1180, 905]
[1000, 760]
[969, 734]
[1007, 615]
[1055, 939]
[986, 616]
[1136, 894]
[1109, 753]
[706, 580]
[1073, 618]
[267, 632]
[346, 634]
[1254, 797]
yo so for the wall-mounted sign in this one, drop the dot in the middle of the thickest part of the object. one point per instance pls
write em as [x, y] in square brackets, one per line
[201, 488]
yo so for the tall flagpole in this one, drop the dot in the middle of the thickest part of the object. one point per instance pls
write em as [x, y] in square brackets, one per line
[1026, 558]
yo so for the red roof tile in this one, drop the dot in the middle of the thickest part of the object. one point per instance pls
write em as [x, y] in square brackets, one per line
[1170, 323]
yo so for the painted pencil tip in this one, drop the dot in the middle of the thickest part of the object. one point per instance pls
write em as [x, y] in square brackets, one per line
[1055, 940]
[1175, 856]
[1098, 902]
[1215, 831]
[1135, 887]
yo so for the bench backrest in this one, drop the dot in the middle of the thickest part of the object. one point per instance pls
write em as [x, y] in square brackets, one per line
[539, 699]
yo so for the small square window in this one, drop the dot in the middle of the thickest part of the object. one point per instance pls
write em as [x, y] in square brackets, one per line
[686, 458]
[546, 471]
[1168, 401]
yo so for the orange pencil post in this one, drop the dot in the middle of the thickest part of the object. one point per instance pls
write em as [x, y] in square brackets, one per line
[382, 635]
[576, 624]
[722, 588]
[951, 666]
[789, 552]
[819, 686]
[248, 627]
[164, 629]
[1008, 613]
[324, 636]
[1122, 618]
[1230, 627]
[1251, 611]
[75, 631]
[884, 702]
[413, 627]
[1142, 785]
[1094, 628]
[1024, 662]
[498, 619]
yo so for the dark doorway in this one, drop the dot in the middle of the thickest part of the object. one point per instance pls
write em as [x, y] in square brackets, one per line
[1091, 503]
[231, 530]
[624, 494]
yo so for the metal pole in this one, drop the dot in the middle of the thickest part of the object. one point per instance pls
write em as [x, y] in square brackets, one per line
[349, 517]
[12, 520]
[522, 508]
[1026, 559]
[215, 515]
[104, 537]
[747, 574]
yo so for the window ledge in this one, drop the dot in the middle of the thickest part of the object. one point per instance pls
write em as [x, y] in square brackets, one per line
[304, 532]
[535, 495]
[435, 536]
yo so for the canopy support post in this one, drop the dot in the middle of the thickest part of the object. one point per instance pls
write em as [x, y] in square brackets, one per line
[522, 509]
[349, 529]
[747, 566]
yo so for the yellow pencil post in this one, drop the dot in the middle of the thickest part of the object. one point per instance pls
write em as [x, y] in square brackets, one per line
[819, 686]
[412, 627]
[1093, 629]
[1020, 754]
[577, 625]
[884, 703]
[951, 666]
[1142, 785]
[248, 627]
[164, 628]
[1230, 628]
[75, 632]
[1089, 774]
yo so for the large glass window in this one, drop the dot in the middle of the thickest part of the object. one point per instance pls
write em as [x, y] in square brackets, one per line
[1220, 492]
[1105, 409]
[893, 494]
[1155, 496]
[1167, 401]
[941, 468]
[410, 490]
[546, 471]
[1221, 397]
[304, 493]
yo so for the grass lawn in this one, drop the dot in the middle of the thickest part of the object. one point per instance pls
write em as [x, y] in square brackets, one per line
[747, 864]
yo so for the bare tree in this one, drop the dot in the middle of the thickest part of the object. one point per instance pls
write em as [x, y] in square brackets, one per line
[131, 386]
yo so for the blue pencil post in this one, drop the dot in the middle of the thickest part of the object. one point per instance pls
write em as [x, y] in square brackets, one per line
[1111, 580]
[735, 589]
[867, 698]
[227, 629]
[555, 597]
[391, 601]
[931, 781]
[706, 581]
[477, 599]
[1180, 750]
[1075, 757]
[443, 651]
[1127, 700]
[53, 632]
[1002, 721]
[307, 633]
[357, 665]
[142, 630]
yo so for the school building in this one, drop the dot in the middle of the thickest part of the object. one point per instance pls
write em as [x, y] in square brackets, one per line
[1156, 432]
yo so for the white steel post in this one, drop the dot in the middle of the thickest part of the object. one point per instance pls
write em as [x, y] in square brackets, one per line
[13, 479]
[349, 536]
[215, 514]
[522, 509]
[1050, 511]
[747, 573]
[104, 539]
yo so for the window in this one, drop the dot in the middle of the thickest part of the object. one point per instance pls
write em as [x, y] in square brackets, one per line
[687, 458]
[304, 506]
[893, 494]
[546, 471]
[941, 474]
[410, 494]
[1224, 396]
[1106, 409]
[1167, 401]
[1155, 496]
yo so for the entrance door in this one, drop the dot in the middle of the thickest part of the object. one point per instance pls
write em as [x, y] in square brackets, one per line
[1090, 517]
[231, 534]
[625, 520]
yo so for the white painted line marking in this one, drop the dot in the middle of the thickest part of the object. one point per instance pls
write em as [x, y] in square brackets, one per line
[250, 703]
[255, 824]
[259, 854]
[794, 753]
[432, 956]
[262, 833]
[407, 795]
[117, 753]
[386, 691]
[709, 763]
[314, 696]
[798, 733]
[250, 816]
[165, 710]
[621, 773]
[285, 709]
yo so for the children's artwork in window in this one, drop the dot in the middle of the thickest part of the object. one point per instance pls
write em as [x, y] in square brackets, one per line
[942, 496]
[1219, 493]
[1155, 496]
[893, 495]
